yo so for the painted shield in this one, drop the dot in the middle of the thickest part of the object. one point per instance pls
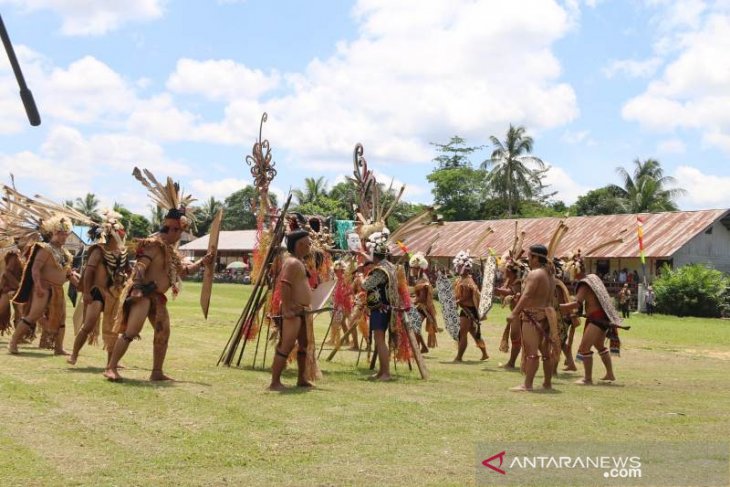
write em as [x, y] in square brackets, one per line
[445, 290]
[414, 319]
[485, 300]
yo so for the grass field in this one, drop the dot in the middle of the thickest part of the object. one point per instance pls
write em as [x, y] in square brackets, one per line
[66, 425]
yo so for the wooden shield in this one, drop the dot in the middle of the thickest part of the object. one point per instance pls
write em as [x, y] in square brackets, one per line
[445, 290]
[209, 270]
[485, 298]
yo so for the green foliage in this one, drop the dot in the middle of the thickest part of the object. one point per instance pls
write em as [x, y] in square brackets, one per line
[346, 194]
[324, 206]
[601, 201]
[206, 213]
[514, 175]
[239, 209]
[135, 225]
[691, 290]
[459, 191]
[535, 209]
[88, 205]
[454, 154]
[647, 189]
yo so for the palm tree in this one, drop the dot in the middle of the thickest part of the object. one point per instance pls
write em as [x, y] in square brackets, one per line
[514, 175]
[206, 213]
[158, 216]
[89, 205]
[647, 189]
[313, 189]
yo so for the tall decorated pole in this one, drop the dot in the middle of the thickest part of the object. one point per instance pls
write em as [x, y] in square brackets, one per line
[263, 172]
[640, 235]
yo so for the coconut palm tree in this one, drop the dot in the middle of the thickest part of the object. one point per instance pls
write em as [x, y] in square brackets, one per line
[647, 189]
[313, 189]
[206, 213]
[514, 175]
[88, 205]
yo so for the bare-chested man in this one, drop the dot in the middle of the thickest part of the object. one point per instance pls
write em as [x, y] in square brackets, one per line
[423, 292]
[158, 268]
[467, 297]
[41, 289]
[510, 293]
[102, 282]
[601, 318]
[538, 320]
[296, 300]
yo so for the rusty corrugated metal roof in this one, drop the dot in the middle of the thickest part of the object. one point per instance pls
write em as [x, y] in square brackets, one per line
[664, 234]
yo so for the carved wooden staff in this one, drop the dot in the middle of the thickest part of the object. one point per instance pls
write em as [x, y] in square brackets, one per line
[209, 269]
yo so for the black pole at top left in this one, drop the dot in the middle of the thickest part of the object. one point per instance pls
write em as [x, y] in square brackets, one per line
[25, 95]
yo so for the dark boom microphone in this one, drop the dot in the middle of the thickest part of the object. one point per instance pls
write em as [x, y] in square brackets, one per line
[25, 95]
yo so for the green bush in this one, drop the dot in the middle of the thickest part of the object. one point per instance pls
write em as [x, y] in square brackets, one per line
[692, 290]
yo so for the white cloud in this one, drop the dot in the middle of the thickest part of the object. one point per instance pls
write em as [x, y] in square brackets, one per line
[703, 190]
[577, 137]
[221, 79]
[633, 68]
[418, 72]
[94, 17]
[672, 146]
[568, 189]
[692, 91]
[70, 164]
[220, 189]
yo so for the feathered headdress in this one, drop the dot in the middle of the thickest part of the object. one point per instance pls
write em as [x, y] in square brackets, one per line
[168, 196]
[462, 260]
[32, 219]
[110, 228]
[418, 261]
[512, 259]
[574, 265]
[378, 242]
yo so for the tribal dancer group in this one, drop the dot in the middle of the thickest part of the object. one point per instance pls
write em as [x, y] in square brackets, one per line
[34, 231]
[374, 304]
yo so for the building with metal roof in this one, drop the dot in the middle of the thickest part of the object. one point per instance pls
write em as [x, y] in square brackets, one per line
[675, 238]
[232, 245]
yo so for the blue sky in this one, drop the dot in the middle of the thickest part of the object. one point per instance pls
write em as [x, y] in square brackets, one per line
[179, 87]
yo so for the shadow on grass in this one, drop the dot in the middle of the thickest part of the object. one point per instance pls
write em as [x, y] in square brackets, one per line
[86, 370]
[32, 353]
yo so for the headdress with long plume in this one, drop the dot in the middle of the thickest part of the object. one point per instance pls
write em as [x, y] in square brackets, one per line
[573, 262]
[32, 219]
[512, 259]
[168, 196]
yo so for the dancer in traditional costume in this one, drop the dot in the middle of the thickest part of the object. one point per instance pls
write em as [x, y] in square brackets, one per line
[159, 268]
[102, 283]
[48, 266]
[514, 270]
[14, 263]
[383, 301]
[423, 291]
[539, 325]
[360, 312]
[343, 302]
[566, 324]
[296, 301]
[467, 296]
[602, 321]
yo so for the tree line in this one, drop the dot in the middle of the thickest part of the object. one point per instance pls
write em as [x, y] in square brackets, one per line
[511, 183]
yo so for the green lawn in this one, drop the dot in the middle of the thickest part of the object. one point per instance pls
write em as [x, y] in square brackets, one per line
[219, 426]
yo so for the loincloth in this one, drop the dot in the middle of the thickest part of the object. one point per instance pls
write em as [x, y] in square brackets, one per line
[545, 321]
[157, 301]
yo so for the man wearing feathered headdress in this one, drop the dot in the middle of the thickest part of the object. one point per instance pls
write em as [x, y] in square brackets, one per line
[383, 301]
[102, 282]
[423, 291]
[41, 286]
[467, 297]
[539, 325]
[159, 267]
[43, 226]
